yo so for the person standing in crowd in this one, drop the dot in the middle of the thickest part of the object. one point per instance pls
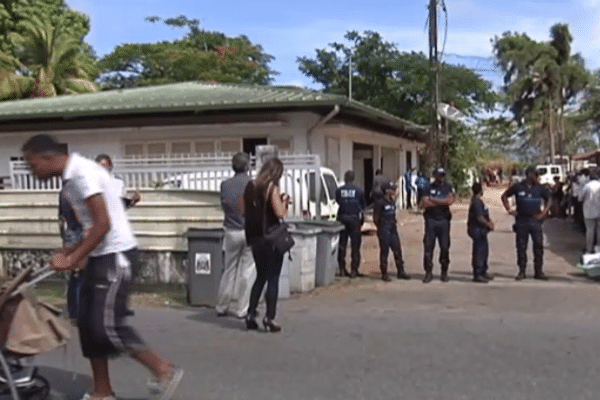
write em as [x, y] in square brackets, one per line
[378, 181]
[239, 273]
[408, 188]
[384, 216]
[557, 198]
[582, 179]
[478, 226]
[109, 243]
[591, 211]
[533, 203]
[422, 185]
[351, 200]
[263, 201]
[129, 199]
[436, 201]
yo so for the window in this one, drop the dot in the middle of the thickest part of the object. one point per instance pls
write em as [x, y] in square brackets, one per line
[134, 150]
[181, 148]
[231, 145]
[204, 147]
[157, 149]
[331, 185]
[542, 171]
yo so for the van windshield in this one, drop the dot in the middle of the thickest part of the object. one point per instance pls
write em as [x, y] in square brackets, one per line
[554, 170]
[542, 171]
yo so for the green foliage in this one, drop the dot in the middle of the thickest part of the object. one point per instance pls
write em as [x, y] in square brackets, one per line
[394, 81]
[199, 55]
[541, 79]
[42, 51]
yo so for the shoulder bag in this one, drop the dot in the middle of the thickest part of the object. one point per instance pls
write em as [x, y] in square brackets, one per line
[278, 236]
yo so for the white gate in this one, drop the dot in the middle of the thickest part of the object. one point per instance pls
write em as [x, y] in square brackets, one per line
[198, 173]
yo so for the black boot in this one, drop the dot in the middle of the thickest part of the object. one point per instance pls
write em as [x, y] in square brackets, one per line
[402, 274]
[444, 275]
[428, 277]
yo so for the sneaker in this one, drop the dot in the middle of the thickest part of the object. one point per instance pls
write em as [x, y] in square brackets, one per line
[403, 275]
[386, 278]
[428, 277]
[520, 276]
[88, 396]
[480, 279]
[164, 390]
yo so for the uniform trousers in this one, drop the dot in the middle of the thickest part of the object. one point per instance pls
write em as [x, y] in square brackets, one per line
[436, 229]
[352, 225]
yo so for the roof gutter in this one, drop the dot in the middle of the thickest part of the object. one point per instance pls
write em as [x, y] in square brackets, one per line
[320, 123]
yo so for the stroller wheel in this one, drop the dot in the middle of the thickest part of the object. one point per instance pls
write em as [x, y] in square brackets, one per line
[38, 390]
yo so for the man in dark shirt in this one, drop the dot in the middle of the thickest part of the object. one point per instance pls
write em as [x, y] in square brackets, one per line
[533, 201]
[384, 216]
[436, 201]
[239, 273]
[378, 181]
[352, 202]
[478, 226]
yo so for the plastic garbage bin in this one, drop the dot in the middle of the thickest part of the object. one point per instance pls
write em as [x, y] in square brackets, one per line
[304, 255]
[205, 265]
[328, 240]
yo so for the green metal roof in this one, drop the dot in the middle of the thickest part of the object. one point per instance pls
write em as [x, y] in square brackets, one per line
[190, 96]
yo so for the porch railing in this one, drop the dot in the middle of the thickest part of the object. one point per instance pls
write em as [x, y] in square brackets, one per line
[204, 172]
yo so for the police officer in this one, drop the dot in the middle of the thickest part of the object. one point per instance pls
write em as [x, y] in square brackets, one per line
[436, 201]
[533, 203]
[384, 216]
[352, 203]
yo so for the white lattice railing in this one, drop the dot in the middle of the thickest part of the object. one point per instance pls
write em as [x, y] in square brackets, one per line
[201, 173]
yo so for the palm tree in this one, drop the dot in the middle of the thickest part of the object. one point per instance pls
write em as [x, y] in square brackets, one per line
[54, 59]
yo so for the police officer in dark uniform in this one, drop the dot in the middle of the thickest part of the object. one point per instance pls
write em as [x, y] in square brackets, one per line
[384, 216]
[436, 201]
[533, 204]
[352, 203]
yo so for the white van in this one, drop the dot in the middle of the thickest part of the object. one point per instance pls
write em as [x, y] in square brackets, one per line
[298, 183]
[547, 172]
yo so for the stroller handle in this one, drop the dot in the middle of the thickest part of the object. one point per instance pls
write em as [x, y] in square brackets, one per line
[34, 278]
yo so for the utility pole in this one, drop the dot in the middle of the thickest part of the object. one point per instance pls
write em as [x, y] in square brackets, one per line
[435, 137]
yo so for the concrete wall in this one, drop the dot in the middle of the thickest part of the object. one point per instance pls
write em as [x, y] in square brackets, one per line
[29, 230]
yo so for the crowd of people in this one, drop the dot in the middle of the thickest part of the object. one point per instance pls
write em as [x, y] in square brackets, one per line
[100, 250]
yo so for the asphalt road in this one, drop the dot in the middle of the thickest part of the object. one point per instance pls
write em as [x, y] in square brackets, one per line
[366, 339]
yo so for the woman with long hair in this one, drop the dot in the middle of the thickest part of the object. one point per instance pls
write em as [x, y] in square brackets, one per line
[264, 206]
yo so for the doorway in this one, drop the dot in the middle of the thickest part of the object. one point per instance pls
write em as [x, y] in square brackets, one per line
[363, 166]
[249, 145]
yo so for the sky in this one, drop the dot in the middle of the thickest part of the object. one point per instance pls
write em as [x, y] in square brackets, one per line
[287, 30]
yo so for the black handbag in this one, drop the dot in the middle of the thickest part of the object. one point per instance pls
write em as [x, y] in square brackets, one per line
[278, 236]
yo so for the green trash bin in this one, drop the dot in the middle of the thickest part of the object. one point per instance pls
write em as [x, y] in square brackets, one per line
[205, 265]
[328, 240]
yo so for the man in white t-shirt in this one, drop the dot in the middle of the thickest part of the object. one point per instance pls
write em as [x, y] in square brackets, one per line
[109, 243]
[590, 195]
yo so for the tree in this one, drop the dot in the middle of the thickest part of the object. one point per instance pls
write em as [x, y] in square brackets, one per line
[541, 78]
[391, 80]
[199, 55]
[43, 53]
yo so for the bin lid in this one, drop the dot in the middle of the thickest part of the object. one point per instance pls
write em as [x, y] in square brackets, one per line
[205, 233]
[325, 226]
[299, 229]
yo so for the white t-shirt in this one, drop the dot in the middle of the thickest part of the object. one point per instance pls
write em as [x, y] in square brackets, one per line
[591, 199]
[85, 178]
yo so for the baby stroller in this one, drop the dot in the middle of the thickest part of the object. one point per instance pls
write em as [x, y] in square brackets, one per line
[27, 328]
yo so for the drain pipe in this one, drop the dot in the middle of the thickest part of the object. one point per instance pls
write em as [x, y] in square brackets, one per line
[320, 123]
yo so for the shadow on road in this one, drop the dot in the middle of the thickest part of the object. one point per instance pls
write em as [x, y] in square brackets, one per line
[66, 385]
[209, 316]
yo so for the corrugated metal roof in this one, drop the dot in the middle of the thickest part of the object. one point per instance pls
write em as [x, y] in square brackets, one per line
[187, 96]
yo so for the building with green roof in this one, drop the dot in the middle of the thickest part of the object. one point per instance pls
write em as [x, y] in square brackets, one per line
[198, 118]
